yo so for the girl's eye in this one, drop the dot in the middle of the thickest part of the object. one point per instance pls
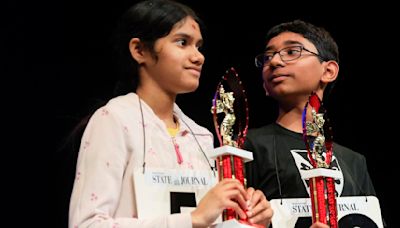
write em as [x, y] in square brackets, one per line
[181, 42]
[200, 48]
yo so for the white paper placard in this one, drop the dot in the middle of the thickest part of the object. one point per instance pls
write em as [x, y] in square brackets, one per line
[153, 188]
[287, 213]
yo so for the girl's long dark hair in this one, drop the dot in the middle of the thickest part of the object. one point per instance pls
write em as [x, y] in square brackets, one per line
[149, 21]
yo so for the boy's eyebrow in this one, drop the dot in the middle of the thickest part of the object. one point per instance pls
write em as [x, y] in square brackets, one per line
[287, 42]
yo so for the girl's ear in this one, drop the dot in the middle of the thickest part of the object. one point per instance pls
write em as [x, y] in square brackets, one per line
[137, 51]
[331, 72]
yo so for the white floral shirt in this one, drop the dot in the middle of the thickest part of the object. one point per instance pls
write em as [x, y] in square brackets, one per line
[112, 149]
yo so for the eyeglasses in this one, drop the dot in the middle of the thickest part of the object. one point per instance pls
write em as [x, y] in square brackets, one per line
[286, 54]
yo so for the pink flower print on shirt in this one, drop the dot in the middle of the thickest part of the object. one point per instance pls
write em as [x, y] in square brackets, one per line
[184, 133]
[93, 197]
[189, 165]
[78, 175]
[115, 225]
[141, 124]
[86, 144]
[104, 112]
[152, 151]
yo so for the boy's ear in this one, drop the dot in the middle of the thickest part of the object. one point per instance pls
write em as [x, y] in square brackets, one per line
[137, 51]
[331, 71]
[265, 88]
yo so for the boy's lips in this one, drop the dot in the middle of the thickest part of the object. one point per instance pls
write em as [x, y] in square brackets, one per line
[276, 77]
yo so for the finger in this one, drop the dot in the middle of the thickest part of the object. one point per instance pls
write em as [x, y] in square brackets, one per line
[263, 217]
[250, 191]
[234, 184]
[259, 207]
[242, 201]
[239, 211]
[235, 195]
[234, 191]
[256, 197]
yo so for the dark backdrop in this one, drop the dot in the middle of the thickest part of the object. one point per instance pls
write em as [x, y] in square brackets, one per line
[63, 57]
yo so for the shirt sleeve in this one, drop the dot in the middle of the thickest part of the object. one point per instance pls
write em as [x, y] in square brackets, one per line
[101, 165]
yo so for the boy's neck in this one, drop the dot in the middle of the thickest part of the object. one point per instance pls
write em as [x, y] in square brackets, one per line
[291, 119]
[291, 111]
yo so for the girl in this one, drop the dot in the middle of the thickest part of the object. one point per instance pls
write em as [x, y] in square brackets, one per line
[140, 150]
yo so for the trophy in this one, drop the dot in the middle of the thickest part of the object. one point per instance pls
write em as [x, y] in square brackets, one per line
[317, 135]
[231, 129]
[325, 206]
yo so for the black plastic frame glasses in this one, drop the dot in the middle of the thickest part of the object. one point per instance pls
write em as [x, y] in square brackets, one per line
[286, 54]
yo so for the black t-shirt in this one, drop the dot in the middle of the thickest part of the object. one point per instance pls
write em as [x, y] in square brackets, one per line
[280, 156]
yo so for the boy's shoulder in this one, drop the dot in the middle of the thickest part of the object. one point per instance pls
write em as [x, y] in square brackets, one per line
[268, 129]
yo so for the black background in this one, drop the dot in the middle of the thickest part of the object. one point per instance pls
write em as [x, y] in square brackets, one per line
[59, 63]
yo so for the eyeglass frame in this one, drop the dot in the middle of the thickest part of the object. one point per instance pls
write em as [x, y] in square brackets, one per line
[256, 61]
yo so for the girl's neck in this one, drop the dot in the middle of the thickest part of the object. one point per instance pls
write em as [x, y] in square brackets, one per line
[161, 103]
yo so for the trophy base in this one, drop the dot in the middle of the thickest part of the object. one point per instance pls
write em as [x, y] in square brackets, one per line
[233, 223]
[230, 150]
[321, 172]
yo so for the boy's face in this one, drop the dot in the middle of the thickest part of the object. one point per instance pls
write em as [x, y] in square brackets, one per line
[287, 80]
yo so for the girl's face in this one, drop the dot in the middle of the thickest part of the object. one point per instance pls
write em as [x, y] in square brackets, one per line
[178, 67]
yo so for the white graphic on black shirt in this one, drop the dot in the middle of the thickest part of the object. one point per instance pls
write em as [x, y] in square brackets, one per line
[302, 163]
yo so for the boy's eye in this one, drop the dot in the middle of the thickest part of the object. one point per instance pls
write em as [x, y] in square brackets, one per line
[292, 52]
[268, 56]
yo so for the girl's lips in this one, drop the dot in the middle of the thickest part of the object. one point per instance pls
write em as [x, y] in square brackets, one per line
[195, 71]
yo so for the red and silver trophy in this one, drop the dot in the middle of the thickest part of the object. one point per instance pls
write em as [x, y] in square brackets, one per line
[317, 135]
[231, 129]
